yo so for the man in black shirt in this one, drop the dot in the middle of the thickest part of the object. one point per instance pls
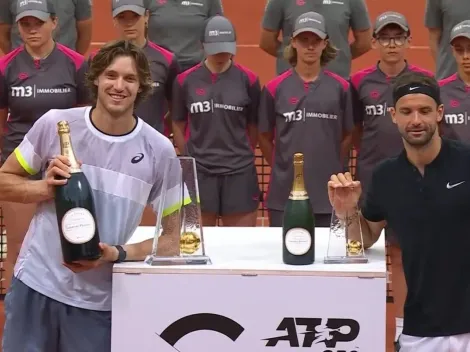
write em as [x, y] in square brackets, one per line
[424, 196]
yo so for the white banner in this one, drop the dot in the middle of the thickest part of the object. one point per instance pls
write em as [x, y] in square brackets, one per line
[233, 313]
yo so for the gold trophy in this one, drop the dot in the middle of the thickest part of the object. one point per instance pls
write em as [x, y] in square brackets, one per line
[179, 238]
[341, 248]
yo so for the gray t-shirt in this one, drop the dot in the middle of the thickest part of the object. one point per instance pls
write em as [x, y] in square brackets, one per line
[121, 190]
[68, 13]
[372, 98]
[309, 118]
[455, 95]
[178, 25]
[340, 16]
[218, 109]
[29, 88]
[445, 14]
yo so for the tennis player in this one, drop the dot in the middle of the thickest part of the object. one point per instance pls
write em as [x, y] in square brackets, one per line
[307, 109]
[215, 113]
[422, 194]
[131, 19]
[68, 307]
[455, 89]
[376, 136]
[38, 76]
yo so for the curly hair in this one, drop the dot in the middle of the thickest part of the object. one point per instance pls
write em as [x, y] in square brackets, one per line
[105, 57]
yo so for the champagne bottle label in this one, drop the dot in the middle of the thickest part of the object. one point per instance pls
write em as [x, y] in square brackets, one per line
[298, 241]
[78, 226]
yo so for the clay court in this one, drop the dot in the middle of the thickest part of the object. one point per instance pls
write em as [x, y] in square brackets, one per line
[246, 16]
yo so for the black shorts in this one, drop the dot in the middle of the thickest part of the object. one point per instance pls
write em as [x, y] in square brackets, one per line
[229, 194]
[276, 219]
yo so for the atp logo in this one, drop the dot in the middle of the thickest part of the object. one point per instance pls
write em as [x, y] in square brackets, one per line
[202, 321]
[318, 331]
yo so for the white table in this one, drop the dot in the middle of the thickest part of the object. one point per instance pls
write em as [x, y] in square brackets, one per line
[249, 295]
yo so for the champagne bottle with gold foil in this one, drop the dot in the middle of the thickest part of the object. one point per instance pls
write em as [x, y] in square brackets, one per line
[75, 208]
[298, 229]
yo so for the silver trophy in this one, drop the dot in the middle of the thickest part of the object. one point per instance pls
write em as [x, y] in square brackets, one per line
[345, 242]
[179, 238]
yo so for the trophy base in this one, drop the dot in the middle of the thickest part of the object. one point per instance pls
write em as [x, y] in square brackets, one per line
[154, 260]
[360, 259]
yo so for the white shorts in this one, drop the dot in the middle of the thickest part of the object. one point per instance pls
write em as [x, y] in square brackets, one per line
[455, 343]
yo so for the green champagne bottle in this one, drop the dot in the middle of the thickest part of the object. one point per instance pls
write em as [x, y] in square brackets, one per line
[75, 208]
[298, 228]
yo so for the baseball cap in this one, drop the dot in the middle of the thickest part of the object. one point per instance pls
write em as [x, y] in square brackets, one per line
[310, 22]
[461, 29]
[41, 9]
[219, 36]
[391, 17]
[137, 6]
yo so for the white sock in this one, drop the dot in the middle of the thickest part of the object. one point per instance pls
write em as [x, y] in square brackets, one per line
[398, 327]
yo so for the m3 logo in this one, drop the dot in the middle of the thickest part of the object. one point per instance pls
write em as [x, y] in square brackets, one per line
[200, 107]
[376, 110]
[296, 115]
[456, 119]
[23, 92]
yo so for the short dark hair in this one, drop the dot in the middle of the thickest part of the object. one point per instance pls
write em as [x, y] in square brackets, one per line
[107, 54]
[417, 78]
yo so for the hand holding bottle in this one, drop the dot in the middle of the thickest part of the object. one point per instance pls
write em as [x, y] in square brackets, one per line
[57, 173]
[344, 193]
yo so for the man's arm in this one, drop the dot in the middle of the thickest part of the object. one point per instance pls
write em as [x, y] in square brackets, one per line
[254, 92]
[344, 194]
[16, 187]
[168, 242]
[433, 22]
[271, 27]
[179, 114]
[348, 125]
[5, 38]
[84, 26]
[370, 230]
[173, 71]
[361, 28]
[266, 124]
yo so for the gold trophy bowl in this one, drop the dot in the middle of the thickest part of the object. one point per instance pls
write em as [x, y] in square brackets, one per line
[354, 247]
[189, 242]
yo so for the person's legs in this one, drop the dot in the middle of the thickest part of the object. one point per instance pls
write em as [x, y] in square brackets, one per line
[240, 198]
[84, 330]
[31, 323]
[209, 195]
